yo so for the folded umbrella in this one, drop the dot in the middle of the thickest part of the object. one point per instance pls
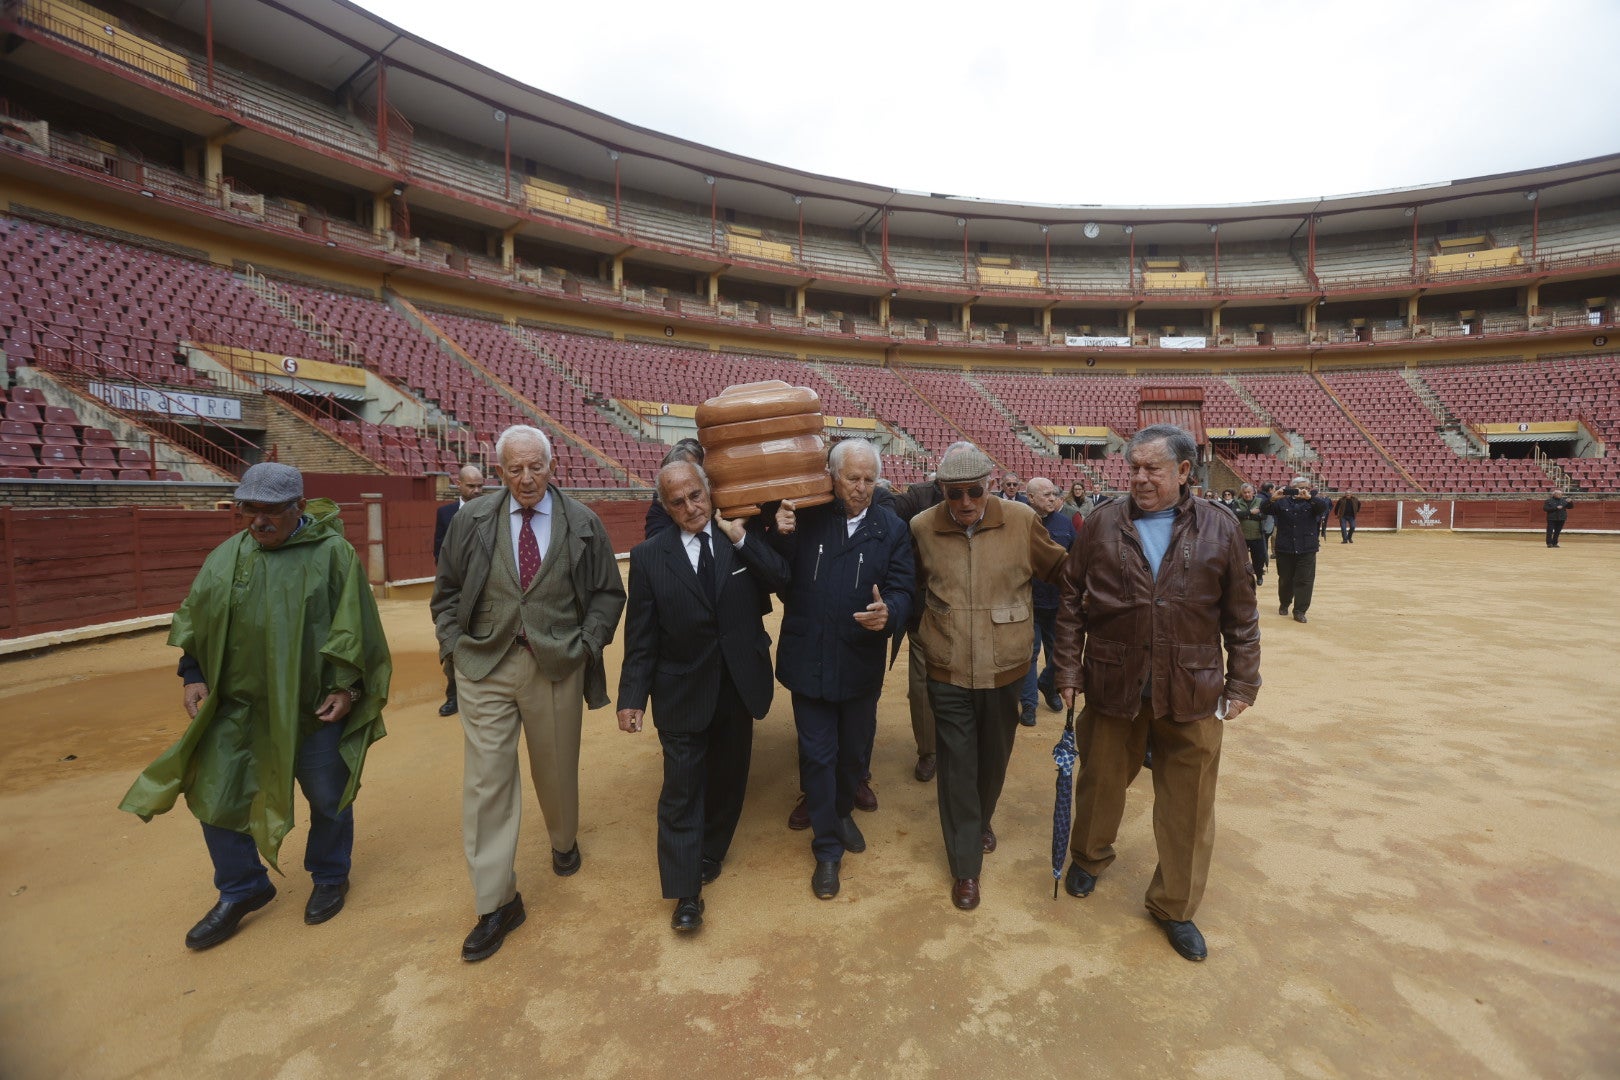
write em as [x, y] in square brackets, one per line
[1063, 754]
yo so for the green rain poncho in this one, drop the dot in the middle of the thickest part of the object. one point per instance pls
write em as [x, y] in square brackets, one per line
[274, 632]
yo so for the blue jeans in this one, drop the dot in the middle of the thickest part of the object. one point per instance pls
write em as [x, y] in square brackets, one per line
[322, 773]
[1045, 635]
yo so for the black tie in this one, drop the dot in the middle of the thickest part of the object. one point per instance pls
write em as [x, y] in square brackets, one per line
[705, 569]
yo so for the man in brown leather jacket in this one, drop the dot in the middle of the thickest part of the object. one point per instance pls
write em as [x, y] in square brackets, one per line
[1153, 587]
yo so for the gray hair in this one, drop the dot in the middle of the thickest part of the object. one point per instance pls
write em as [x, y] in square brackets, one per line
[680, 466]
[1299, 482]
[522, 431]
[1046, 486]
[844, 447]
[1176, 440]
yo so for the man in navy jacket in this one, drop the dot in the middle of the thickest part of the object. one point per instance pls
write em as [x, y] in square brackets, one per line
[1298, 512]
[850, 596]
[1047, 501]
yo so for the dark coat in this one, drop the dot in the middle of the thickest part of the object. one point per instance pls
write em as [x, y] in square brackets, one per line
[676, 640]
[824, 653]
[1058, 526]
[1557, 509]
[1297, 522]
[1347, 507]
[441, 525]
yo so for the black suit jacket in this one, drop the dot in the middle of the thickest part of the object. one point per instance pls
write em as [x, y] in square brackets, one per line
[441, 525]
[675, 640]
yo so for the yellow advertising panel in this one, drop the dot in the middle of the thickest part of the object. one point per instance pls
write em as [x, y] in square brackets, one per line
[289, 366]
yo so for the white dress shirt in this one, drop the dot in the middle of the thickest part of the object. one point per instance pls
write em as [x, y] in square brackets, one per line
[693, 549]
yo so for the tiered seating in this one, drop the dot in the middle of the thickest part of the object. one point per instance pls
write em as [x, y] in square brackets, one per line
[1348, 461]
[48, 442]
[491, 344]
[79, 302]
[976, 415]
[1586, 388]
[1389, 408]
[1362, 258]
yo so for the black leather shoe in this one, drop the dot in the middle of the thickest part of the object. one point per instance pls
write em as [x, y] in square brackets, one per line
[799, 818]
[1054, 701]
[927, 764]
[824, 882]
[688, 914]
[865, 797]
[1184, 938]
[711, 869]
[988, 840]
[1299, 616]
[849, 834]
[1282, 609]
[325, 901]
[1079, 882]
[449, 708]
[1026, 716]
[565, 863]
[490, 931]
[224, 917]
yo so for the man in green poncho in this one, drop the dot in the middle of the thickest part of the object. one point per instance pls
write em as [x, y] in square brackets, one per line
[286, 672]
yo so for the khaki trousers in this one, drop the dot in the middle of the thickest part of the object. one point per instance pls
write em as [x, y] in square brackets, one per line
[516, 694]
[1186, 760]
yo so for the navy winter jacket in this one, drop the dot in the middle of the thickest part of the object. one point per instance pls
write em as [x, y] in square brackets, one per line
[1297, 522]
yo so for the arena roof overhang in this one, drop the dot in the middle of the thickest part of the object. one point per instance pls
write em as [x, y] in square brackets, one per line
[341, 48]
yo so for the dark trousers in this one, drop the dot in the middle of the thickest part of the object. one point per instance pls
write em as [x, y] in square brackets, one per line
[1554, 528]
[1296, 577]
[1186, 763]
[1258, 558]
[1347, 529]
[835, 746]
[922, 714]
[705, 778]
[974, 730]
[323, 775]
[450, 686]
[1045, 637]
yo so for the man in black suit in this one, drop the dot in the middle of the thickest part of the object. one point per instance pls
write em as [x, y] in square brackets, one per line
[469, 485]
[695, 643]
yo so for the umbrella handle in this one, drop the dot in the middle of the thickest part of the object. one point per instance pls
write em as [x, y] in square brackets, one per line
[1068, 725]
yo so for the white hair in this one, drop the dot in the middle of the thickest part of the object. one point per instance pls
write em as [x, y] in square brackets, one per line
[1041, 480]
[682, 465]
[522, 431]
[844, 447]
[1300, 481]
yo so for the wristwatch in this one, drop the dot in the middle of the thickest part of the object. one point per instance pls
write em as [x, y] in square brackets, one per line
[353, 692]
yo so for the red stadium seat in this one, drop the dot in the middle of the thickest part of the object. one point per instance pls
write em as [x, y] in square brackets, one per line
[23, 411]
[56, 474]
[15, 472]
[18, 454]
[96, 474]
[134, 474]
[16, 431]
[96, 436]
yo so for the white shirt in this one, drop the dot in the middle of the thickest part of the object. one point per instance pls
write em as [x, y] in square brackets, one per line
[694, 549]
[851, 524]
[540, 525]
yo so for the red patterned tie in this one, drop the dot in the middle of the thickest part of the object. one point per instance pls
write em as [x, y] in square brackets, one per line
[528, 550]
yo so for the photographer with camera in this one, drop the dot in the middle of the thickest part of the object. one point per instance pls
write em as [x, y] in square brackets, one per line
[1298, 513]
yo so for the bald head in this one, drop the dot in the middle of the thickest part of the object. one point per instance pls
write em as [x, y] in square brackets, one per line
[469, 482]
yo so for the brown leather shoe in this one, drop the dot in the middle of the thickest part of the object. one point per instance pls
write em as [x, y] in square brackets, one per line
[865, 797]
[799, 819]
[965, 893]
[989, 839]
[926, 764]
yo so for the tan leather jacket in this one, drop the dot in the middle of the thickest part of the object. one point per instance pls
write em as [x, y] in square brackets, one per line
[1130, 626]
[977, 626]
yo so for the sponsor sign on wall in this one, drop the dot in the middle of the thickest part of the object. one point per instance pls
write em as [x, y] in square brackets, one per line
[1087, 341]
[1422, 515]
[175, 402]
[1183, 342]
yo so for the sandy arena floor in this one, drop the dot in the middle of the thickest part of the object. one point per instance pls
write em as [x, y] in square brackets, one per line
[1417, 873]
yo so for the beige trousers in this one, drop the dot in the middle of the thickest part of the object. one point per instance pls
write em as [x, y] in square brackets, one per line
[516, 694]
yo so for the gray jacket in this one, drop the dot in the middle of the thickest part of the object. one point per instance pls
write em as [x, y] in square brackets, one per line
[464, 565]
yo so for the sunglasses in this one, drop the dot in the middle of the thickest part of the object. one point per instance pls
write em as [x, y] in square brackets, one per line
[958, 494]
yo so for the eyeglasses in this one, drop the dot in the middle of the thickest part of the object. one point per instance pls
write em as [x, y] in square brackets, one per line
[267, 509]
[956, 494]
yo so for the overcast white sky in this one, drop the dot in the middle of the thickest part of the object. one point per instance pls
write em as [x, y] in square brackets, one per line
[1131, 102]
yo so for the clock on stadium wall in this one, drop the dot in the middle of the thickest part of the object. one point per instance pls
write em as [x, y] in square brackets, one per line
[1092, 230]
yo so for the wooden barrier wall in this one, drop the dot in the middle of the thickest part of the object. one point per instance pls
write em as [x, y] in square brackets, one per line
[62, 568]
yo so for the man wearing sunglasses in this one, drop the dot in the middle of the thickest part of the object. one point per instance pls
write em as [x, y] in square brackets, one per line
[286, 672]
[976, 555]
[1154, 588]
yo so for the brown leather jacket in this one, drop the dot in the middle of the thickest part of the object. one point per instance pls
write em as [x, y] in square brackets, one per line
[1130, 626]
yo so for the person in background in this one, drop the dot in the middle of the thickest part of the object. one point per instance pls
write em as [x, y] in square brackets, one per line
[286, 673]
[469, 485]
[1346, 509]
[1045, 500]
[1557, 508]
[1298, 513]
[1251, 520]
[1011, 486]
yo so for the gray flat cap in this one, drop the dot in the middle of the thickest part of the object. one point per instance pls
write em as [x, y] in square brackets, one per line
[270, 482]
[966, 463]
